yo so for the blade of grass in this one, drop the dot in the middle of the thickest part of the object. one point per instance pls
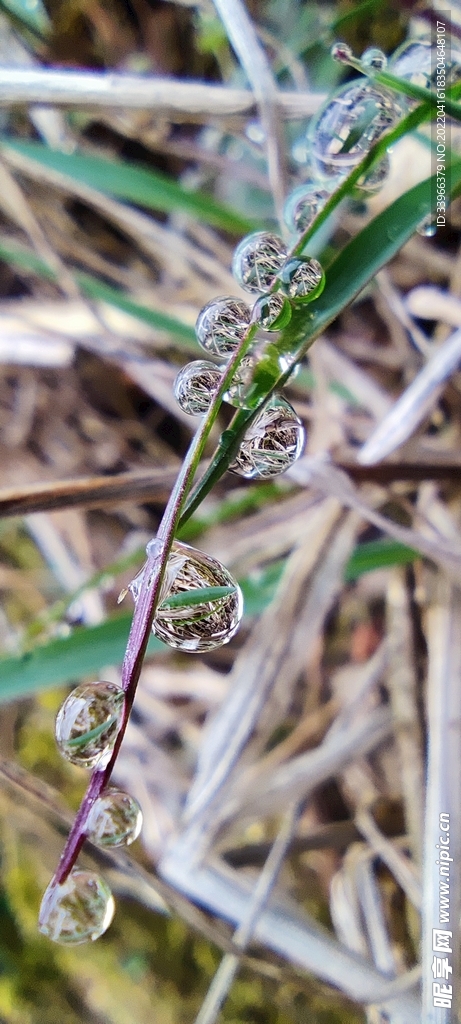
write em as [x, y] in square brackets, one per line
[88, 649]
[377, 554]
[201, 595]
[18, 256]
[81, 654]
[352, 269]
[34, 15]
[134, 183]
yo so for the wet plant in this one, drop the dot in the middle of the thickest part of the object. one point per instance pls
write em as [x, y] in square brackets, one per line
[186, 597]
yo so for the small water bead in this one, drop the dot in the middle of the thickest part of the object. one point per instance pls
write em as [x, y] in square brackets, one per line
[195, 386]
[272, 312]
[417, 62]
[428, 226]
[78, 910]
[235, 395]
[222, 324]
[348, 125]
[87, 723]
[303, 205]
[373, 181]
[341, 52]
[115, 819]
[272, 444]
[257, 261]
[303, 279]
[374, 58]
[204, 626]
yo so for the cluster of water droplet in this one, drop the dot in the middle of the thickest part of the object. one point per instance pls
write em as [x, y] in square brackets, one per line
[263, 267]
[201, 604]
[81, 907]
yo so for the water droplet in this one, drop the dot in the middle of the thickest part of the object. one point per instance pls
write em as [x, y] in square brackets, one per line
[303, 279]
[341, 52]
[115, 819]
[203, 626]
[87, 723]
[414, 61]
[272, 312]
[255, 133]
[273, 442]
[195, 386]
[374, 58]
[348, 125]
[286, 363]
[79, 910]
[373, 181]
[222, 324]
[241, 381]
[428, 226]
[303, 205]
[257, 261]
[300, 151]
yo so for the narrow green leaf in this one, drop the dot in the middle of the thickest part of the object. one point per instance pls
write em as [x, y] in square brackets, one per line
[83, 653]
[200, 595]
[25, 259]
[401, 85]
[347, 276]
[92, 734]
[377, 554]
[31, 13]
[134, 183]
[95, 289]
[89, 648]
[370, 250]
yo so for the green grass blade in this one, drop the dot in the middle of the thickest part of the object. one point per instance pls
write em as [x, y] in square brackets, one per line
[95, 289]
[89, 648]
[92, 734]
[200, 595]
[32, 14]
[83, 653]
[377, 554]
[17, 256]
[401, 85]
[134, 183]
[347, 276]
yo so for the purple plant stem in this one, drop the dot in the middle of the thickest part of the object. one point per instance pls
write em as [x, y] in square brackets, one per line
[145, 608]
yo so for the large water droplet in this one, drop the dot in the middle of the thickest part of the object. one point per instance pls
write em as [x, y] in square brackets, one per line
[79, 910]
[374, 58]
[419, 62]
[87, 723]
[345, 129]
[222, 324]
[273, 442]
[303, 205]
[257, 261]
[195, 386]
[303, 279]
[115, 819]
[414, 62]
[207, 624]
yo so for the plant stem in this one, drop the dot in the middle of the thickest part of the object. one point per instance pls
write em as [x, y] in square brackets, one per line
[148, 599]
